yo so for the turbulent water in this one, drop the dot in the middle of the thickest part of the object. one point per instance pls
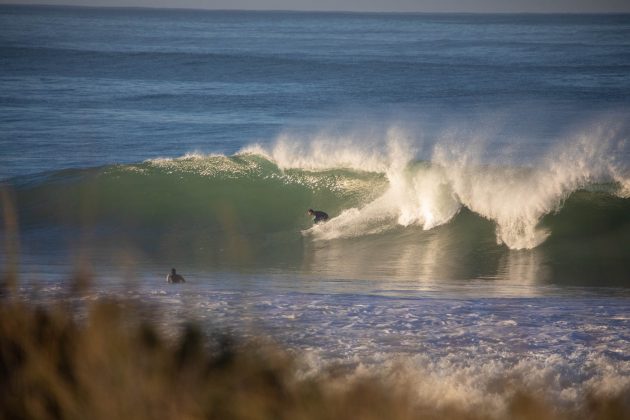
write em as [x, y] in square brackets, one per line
[476, 170]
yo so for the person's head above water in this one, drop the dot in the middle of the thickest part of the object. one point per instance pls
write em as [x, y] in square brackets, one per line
[311, 211]
[173, 277]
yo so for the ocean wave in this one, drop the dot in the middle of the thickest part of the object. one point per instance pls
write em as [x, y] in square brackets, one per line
[368, 188]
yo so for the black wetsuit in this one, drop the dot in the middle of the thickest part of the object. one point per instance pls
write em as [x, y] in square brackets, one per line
[320, 216]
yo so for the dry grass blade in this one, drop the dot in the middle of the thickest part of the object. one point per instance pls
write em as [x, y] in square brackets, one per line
[9, 226]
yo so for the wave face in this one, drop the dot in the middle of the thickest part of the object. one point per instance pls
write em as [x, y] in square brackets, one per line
[257, 199]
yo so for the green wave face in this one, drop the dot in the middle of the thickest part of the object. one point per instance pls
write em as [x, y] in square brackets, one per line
[425, 220]
[195, 193]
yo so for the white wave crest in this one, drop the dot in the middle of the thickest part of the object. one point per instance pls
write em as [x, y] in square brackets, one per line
[517, 198]
[429, 195]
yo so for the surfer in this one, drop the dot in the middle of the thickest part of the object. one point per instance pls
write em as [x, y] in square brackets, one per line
[173, 277]
[318, 216]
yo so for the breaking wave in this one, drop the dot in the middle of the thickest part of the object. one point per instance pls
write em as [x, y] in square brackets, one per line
[368, 189]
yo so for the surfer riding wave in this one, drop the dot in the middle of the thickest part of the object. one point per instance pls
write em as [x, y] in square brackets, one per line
[318, 216]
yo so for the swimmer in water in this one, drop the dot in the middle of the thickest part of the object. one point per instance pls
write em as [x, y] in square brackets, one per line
[318, 216]
[173, 277]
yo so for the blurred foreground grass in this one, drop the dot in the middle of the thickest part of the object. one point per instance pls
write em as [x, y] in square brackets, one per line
[110, 367]
[114, 364]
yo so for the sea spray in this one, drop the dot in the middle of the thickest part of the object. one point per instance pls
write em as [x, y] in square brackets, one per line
[326, 151]
[516, 198]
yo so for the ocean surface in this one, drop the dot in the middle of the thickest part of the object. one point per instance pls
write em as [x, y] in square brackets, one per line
[476, 169]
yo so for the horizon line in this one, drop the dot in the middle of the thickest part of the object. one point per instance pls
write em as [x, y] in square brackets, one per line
[328, 11]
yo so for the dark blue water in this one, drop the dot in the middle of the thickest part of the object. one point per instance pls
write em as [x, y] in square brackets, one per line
[86, 87]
